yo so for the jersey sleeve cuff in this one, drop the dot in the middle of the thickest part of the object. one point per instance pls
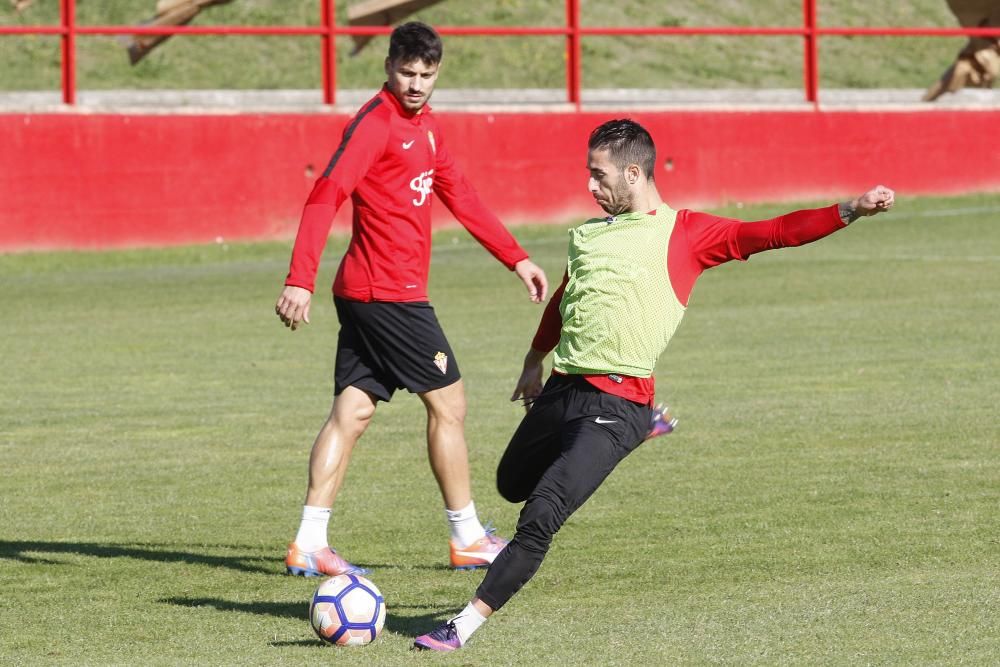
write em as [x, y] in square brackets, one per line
[293, 282]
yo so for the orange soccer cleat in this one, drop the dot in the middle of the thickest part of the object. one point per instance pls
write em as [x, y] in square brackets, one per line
[325, 562]
[480, 553]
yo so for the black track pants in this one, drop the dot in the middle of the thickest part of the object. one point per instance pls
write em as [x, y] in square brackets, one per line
[567, 444]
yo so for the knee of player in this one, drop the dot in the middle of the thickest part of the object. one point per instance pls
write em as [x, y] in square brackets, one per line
[450, 414]
[454, 416]
[511, 483]
[510, 490]
[352, 422]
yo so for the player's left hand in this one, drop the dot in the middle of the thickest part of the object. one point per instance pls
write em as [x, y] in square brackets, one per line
[529, 385]
[876, 200]
[533, 278]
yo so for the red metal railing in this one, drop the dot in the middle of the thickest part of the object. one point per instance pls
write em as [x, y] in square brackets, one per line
[810, 32]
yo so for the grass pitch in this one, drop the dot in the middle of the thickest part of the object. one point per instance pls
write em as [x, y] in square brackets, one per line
[830, 497]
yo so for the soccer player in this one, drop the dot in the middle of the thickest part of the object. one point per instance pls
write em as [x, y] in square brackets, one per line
[392, 161]
[628, 279]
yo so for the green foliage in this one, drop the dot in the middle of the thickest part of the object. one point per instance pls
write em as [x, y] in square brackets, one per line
[192, 62]
[829, 498]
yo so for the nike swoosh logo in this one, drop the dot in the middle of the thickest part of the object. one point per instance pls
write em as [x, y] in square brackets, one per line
[606, 421]
[407, 144]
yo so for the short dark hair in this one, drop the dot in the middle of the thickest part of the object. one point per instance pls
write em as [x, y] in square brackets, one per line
[627, 143]
[415, 41]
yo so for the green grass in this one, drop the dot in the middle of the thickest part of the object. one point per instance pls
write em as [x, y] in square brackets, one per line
[830, 496]
[32, 62]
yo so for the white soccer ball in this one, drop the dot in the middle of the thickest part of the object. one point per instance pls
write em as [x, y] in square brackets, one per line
[347, 610]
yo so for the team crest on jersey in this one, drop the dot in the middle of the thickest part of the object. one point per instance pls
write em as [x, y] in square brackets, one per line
[422, 184]
[441, 361]
[430, 138]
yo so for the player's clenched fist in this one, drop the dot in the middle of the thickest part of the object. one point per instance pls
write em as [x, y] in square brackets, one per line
[876, 200]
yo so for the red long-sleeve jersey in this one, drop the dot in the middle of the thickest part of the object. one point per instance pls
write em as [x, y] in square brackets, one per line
[390, 162]
[698, 242]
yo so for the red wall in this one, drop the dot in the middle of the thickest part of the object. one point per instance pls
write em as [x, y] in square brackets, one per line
[92, 181]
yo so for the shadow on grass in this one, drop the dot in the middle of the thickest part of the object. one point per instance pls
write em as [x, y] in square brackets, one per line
[279, 609]
[404, 625]
[20, 550]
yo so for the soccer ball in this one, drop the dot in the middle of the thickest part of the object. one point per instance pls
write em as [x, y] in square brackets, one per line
[347, 610]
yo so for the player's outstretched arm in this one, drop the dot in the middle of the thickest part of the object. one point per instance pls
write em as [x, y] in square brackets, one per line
[876, 200]
[293, 306]
[533, 278]
[529, 385]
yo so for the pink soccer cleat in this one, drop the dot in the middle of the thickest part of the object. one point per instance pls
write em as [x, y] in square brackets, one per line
[442, 638]
[661, 422]
[323, 563]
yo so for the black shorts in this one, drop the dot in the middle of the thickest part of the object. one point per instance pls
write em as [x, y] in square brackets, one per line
[384, 346]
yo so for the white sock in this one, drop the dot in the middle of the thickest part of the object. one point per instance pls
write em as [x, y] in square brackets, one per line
[467, 622]
[312, 530]
[465, 526]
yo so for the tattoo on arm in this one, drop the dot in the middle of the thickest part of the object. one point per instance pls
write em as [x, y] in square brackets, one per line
[848, 212]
